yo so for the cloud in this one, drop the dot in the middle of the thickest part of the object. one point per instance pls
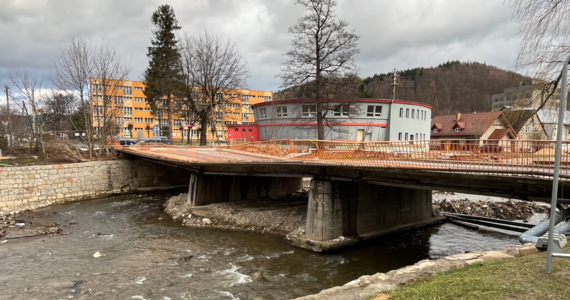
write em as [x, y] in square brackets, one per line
[393, 34]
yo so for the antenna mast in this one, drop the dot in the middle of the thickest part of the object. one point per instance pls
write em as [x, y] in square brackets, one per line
[394, 84]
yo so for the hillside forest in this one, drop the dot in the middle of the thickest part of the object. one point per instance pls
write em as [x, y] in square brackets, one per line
[451, 87]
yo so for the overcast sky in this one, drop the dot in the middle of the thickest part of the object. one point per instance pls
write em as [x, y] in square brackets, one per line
[397, 34]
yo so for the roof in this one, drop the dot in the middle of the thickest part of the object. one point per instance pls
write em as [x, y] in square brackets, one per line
[366, 100]
[499, 134]
[550, 116]
[472, 125]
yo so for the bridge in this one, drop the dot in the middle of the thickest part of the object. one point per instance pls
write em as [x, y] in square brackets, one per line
[362, 189]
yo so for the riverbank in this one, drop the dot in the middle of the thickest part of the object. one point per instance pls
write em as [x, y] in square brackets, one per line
[278, 216]
[369, 287]
[521, 278]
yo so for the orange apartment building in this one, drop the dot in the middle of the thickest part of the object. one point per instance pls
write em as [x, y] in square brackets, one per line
[126, 104]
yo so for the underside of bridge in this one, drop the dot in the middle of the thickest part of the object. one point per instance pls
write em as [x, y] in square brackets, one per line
[356, 202]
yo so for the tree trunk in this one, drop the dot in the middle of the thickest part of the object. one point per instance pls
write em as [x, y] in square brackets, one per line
[203, 127]
[170, 127]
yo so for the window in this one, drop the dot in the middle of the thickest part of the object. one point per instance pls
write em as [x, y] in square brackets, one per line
[138, 120]
[119, 121]
[309, 110]
[400, 134]
[407, 113]
[340, 110]
[245, 99]
[138, 99]
[457, 129]
[527, 129]
[374, 111]
[249, 130]
[263, 113]
[406, 138]
[128, 110]
[147, 109]
[139, 108]
[434, 130]
[236, 129]
[413, 113]
[401, 112]
[148, 120]
[119, 100]
[281, 111]
[138, 88]
[127, 90]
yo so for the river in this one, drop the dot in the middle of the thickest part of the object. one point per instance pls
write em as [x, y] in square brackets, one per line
[147, 256]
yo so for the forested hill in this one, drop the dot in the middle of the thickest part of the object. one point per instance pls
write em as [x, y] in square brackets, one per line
[450, 88]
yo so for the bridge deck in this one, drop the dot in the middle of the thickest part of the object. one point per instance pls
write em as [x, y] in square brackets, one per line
[532, 158]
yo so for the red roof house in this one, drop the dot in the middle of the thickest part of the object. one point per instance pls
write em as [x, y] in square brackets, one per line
[483, 126]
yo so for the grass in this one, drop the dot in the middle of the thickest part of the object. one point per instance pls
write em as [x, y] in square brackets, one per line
[520, 278]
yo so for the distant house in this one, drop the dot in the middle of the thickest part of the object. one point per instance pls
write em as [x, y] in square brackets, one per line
[549, 120]
[476, 126]
[525, 123]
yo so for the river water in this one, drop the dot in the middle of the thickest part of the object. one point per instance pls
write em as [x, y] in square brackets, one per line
[148, 258]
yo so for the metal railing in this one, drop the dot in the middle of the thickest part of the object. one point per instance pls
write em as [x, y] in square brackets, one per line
[515, 157]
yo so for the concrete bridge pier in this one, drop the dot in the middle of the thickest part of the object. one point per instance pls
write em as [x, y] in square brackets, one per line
[208, 189]
[359, 211]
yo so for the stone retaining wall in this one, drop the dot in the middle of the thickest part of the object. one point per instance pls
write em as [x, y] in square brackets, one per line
[48, 184]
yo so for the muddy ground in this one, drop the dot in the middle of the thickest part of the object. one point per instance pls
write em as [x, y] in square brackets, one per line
[28, 223]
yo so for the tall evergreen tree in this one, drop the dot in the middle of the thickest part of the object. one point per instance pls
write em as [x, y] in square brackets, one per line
[163, 73]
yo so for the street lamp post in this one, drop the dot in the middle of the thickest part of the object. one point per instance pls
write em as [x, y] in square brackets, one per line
[554, 196]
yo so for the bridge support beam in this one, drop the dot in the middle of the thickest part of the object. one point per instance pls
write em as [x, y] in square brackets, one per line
[208, 189]
[360, 211]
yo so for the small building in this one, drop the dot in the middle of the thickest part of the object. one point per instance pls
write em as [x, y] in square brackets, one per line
[347, 120]
[549, 120]
[529, 94]
[476, 126]
[243, 132]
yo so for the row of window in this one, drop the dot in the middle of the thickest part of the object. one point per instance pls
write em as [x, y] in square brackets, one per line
[415, 114]
[311, 111]
[410, 137]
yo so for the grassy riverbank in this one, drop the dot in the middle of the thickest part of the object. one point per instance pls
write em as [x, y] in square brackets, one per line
[520, 278]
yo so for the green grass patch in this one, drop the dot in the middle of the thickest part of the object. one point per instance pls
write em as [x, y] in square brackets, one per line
[520, 278]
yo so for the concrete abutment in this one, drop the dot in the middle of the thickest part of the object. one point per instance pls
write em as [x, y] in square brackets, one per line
[360, 211]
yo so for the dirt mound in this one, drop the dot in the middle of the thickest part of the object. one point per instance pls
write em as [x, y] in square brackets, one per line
[267, 215]
[508, 210]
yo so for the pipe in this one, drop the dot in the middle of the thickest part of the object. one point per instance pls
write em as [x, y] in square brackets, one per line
[531, 235]
[492, 220]
[489, 224]
[562, 228]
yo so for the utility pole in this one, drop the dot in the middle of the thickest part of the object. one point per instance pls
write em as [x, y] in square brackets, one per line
[8, 130]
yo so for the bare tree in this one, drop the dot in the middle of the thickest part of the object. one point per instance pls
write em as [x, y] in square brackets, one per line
[322, 55]
[544, 30]
[32, 99]
[73, 69]
[213, 70]
[108, 73]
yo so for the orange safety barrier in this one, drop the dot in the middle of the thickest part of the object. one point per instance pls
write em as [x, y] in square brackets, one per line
[521, 157]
